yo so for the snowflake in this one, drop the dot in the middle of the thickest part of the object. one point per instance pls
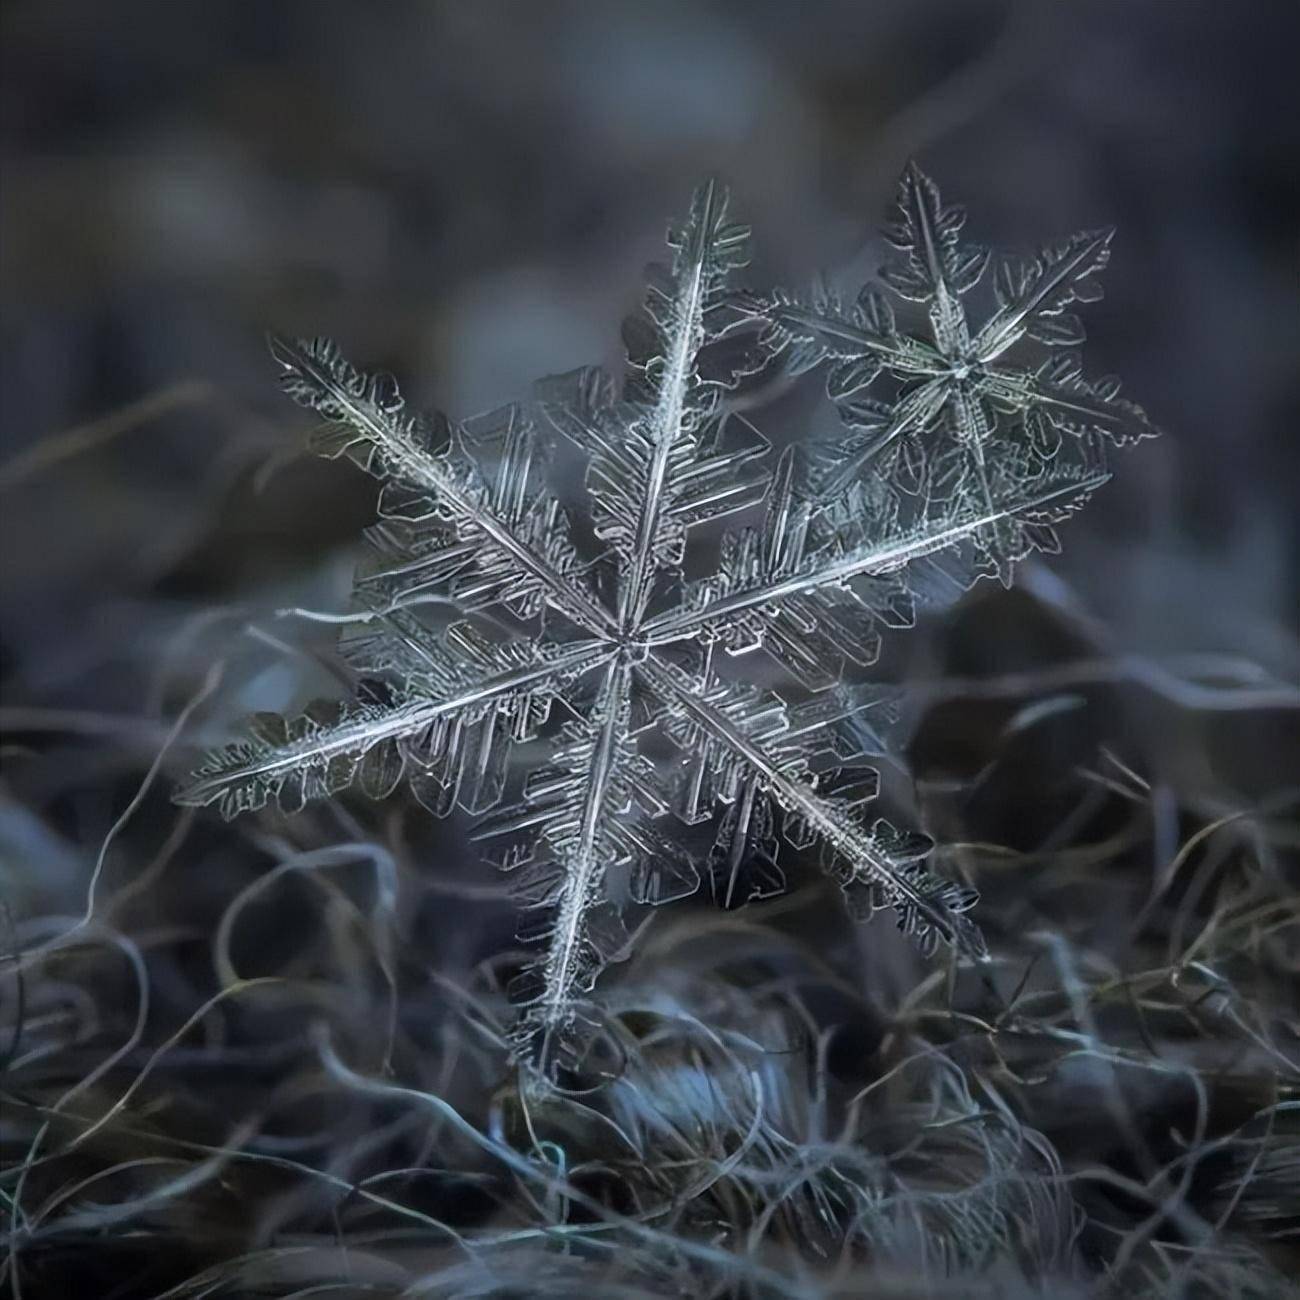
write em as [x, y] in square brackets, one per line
[958, 383]
[582, 634]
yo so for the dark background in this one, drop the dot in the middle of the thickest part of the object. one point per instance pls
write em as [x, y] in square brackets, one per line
[465, 194]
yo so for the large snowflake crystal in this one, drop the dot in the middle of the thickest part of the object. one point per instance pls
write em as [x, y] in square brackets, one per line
[583, 638]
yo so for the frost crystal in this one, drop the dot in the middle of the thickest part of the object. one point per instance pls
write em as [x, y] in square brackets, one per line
[960, 473]
[965, 387]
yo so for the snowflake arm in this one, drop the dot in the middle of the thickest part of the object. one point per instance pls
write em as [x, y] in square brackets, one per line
[658, 463]
[460, 708]
[1032, 296]
[587, 850]
[859, 338]
[575, 803]
[878, 860]
[937, 268]
[512, 535]
[1057, 399]
[778, 585]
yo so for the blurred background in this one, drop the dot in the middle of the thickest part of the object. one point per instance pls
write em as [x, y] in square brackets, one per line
[465, 194]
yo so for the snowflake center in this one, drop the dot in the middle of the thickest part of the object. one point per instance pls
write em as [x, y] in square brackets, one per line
[632, 646]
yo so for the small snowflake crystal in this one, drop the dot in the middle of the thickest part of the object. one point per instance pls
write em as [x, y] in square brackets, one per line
[584, 638]
[955, 386]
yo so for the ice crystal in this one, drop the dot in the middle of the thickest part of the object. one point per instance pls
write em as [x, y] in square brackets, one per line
[963, 385]
[583, 636]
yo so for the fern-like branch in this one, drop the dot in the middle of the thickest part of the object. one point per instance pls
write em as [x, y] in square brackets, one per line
[717, 603]
[320, 753]
[368, 420]
[876, 857]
